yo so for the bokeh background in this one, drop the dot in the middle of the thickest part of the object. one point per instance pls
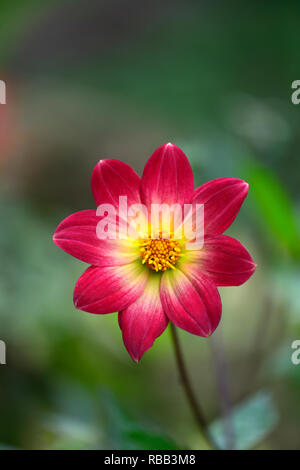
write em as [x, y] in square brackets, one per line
[116, 79]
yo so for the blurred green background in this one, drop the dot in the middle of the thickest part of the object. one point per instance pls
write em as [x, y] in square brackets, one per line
[116, 79]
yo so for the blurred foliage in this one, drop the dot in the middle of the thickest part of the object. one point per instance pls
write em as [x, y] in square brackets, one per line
[97, 422]
[251, 420]
[117, 80]
[276, 208]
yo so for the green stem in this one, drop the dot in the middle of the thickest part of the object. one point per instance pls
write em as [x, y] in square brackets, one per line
[194, 405]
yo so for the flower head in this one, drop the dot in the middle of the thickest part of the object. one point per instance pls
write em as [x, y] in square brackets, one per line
[152, 272]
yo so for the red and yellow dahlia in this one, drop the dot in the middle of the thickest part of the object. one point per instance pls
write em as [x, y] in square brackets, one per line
[151, 281]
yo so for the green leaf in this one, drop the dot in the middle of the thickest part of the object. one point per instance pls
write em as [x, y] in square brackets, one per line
[276, 208]
[252, 421]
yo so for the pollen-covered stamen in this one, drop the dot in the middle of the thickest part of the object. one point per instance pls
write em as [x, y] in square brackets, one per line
[160, 254]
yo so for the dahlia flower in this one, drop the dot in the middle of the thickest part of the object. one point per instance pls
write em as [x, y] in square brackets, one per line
[152, 280]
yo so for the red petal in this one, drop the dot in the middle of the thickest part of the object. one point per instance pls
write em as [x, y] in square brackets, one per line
[113, 178]
[167, 178]
[77, 236]
[222, 199]
[224, 260]
[109, 289]
[191, 303]
[143, 321]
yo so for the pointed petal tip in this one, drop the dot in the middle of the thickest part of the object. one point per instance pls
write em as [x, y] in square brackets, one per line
[137, 356]
[242, 184]
[246, 185]
[170, 145]
[58, 229]
[76, 300]
[253, 264]
[135, 359]
[104, 161]
[99, 166]
[244, 188]
[56, 239]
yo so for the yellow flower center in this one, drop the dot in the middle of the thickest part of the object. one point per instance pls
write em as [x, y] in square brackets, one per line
[160, 254]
